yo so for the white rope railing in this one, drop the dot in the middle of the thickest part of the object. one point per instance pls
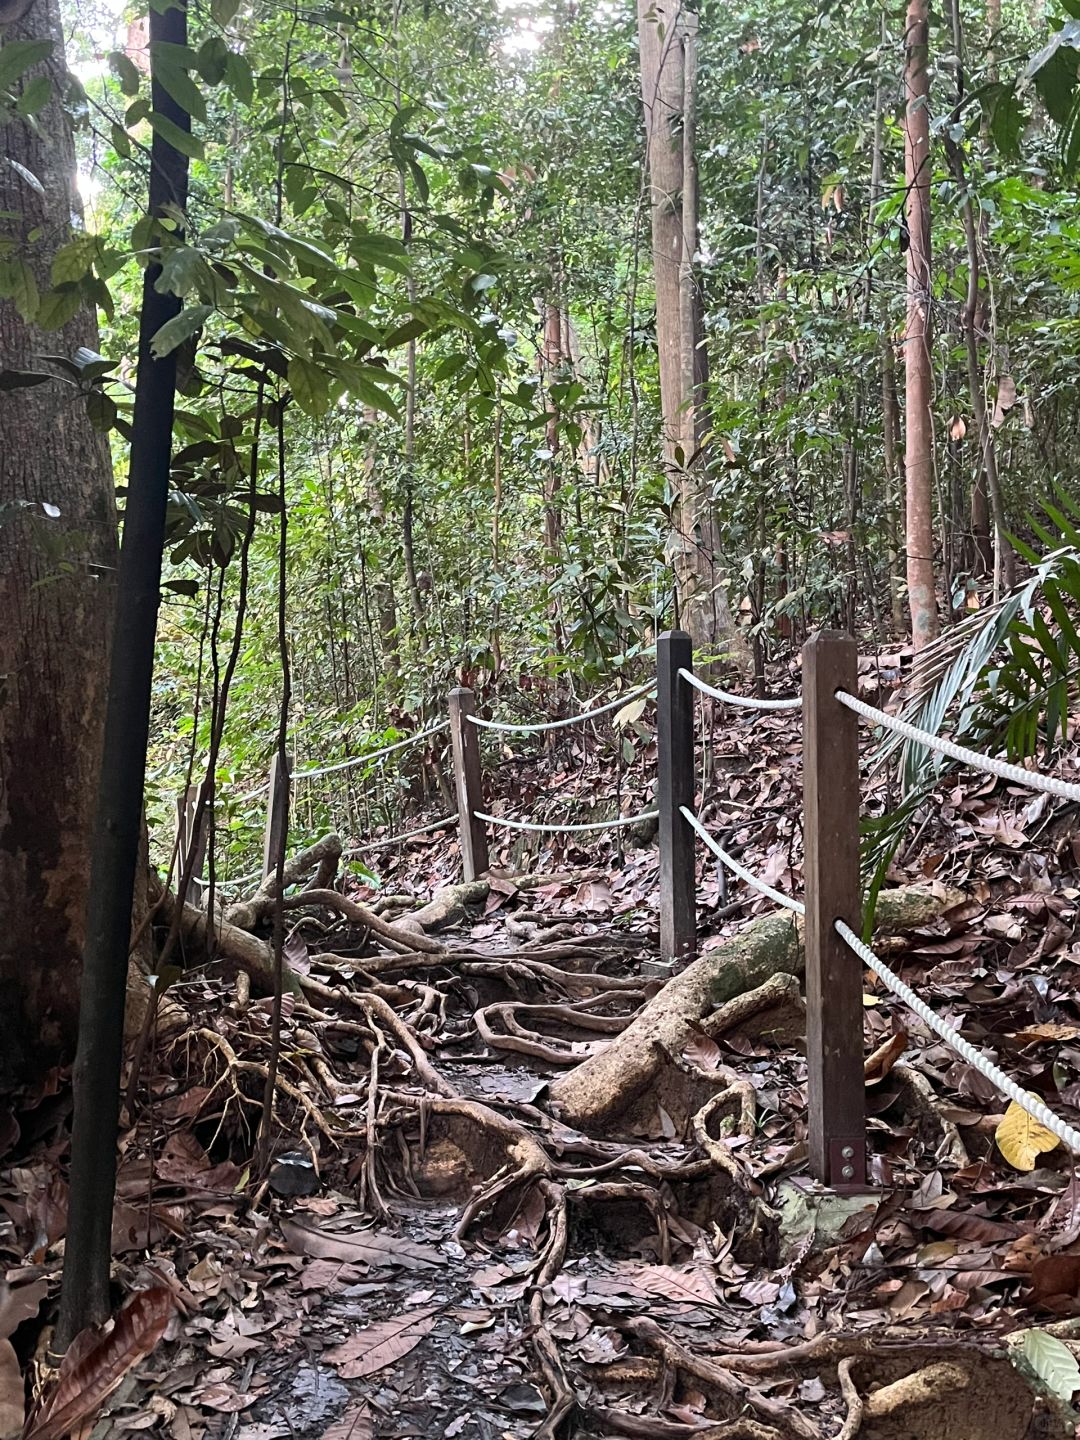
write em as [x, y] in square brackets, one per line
[1032, 779]
[558, 829]
[447, 823]
[370, 755]
[581, 719]
[997, 1077]
[733, 865]
[749, 702]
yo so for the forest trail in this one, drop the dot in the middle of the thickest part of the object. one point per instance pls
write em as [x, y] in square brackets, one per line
[439, 1250]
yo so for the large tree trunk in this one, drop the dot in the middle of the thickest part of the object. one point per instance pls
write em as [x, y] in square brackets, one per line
[666, 36]
[919, 434]
[56, 578]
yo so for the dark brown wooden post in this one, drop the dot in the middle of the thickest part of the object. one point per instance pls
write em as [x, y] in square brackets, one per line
[834, 979]
[675, 766]
[191, 849]
[277, 811]
[465, 741]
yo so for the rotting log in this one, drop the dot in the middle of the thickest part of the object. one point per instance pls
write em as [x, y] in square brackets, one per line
[606, 1084]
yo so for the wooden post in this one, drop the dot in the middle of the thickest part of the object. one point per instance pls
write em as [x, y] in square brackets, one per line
[834, 979]
[675, 764]
[465, 742]
[277, 811]
[191, 850]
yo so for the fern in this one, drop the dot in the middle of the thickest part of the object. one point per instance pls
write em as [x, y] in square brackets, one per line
[1007, 677]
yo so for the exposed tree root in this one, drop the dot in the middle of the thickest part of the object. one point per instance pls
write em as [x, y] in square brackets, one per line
[601, 1088]
[786, 1419]
[324, 854]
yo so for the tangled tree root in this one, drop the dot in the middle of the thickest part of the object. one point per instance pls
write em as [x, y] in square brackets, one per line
[604, 1086]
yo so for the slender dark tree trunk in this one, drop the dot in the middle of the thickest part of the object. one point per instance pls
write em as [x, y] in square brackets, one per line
[918, 423]
[55, 630]
[85, 1294]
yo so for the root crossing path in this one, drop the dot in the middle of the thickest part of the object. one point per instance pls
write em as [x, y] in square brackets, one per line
[525, 1185]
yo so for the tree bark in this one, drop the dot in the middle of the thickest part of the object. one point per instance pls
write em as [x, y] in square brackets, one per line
[56, 596]
[919, 439]
[666, 37]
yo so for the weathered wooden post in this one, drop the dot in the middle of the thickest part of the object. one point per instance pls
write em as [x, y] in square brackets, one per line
[465, 743]
[834, 980]
[277, 810]
[675, 787]
[191, 848]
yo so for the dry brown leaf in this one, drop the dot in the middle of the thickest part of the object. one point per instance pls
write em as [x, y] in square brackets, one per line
[12, 1394]
[92, 1370]
[355, 1424]
[1048, 1031]
[363, 1247]
[1022, 1139]
[884, 1057]
[19, 1303]
[1006, 399]
[380, 1345]
[702, 1051]
[688, 1284]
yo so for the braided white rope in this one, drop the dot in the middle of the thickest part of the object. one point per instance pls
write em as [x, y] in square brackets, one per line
[370, 755]
[750, 702]
[1034, 1107]
[447, 823]
[1033, 779]
[732, 864]
[558, 829]
[570, 720]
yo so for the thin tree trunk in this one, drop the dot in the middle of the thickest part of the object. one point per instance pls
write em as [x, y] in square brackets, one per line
[919, 440]
[118, 816]
[987, 483]
[666, 32]
[55, 632]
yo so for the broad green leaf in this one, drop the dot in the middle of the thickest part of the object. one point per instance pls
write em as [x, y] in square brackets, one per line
[310, 386]
[172, 134]
[35, 96]
[72, 261]
[17, 56]
[239, 78]
[170, 72]
[1052, 1361]
[59, 306]
[126, 72]
[22, 379]
[17, 283]
[180, 328]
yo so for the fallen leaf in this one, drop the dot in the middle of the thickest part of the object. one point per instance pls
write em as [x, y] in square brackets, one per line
[380, 1345]
[1022, 1139]
[1048, 1031]
[1052, 1361]
[19, 1303]
[1055, 1275]
[702, 1051]
[92, 1370]
[355, 1424]
[12, 1394]
[364, 1247]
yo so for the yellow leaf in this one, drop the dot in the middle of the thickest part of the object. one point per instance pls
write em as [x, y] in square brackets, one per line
[1021, 1138]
